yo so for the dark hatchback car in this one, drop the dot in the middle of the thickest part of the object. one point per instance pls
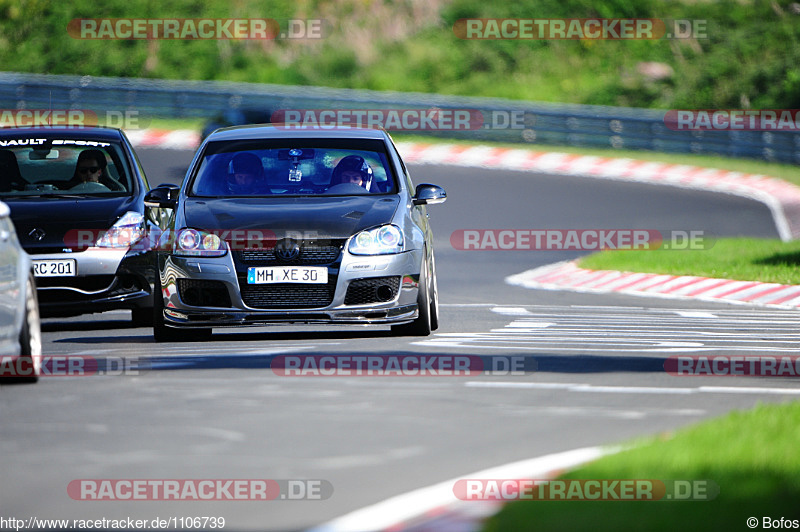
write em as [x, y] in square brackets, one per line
[236, 117]
[76, 199]
[276, 224]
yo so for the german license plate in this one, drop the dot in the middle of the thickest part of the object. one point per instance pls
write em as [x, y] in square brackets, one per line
[55, 268]
[287, 274]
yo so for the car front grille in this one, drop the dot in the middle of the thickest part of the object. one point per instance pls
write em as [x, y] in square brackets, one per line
[311, 253]
[202, 293]
[372, 290]
[282, 296]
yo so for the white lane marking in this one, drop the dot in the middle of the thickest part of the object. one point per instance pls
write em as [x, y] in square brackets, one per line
[569, 329]
[629, 389]
[456, 343]
[589, 411]
[178, 351]
[511, 311]
[584, 388]
[571, 387]
[530, 324]
[694, 314]
[393, 512]
[466, 305]
[365, 460]
[736, 389]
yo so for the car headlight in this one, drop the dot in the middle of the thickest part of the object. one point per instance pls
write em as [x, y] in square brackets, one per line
[196, 243]
[382, 240]
[125, 232]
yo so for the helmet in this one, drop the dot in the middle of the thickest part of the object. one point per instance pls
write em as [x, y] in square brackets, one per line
[353, 163]
[245, 163]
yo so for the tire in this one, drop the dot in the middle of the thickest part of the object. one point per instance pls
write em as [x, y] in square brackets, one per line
[434, 296]
[422, 325]
[162, 333]
[30, 337]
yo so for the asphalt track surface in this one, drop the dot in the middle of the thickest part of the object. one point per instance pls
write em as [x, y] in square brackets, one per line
[216, 410]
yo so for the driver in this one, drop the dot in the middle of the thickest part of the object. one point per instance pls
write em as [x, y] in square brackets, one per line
[353, 169]
[90, 169]
[246, 175]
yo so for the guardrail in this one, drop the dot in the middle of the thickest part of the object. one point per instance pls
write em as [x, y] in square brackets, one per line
[538, 123]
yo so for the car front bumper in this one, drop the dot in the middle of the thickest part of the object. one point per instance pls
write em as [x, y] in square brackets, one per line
[232, 308]
[106, 279]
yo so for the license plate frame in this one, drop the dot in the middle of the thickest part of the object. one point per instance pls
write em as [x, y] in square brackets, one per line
[287, 275]
[55, 267]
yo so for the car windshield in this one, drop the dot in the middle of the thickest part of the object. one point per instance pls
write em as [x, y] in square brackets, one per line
[62, 167]
[294, 167]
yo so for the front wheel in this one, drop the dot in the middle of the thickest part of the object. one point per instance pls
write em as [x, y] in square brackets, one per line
[422, 325]
[434, 296]
[30, 338]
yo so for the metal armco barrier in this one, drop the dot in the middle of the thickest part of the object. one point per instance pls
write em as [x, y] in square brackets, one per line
[503, 120]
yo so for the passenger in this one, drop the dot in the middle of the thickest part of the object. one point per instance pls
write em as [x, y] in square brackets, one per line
[353, 169]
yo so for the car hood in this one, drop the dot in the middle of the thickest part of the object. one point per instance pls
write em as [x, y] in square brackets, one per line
[324, 217]
[56, 217]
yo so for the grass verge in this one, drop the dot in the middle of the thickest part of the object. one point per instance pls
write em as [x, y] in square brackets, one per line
[743, 259]
[750, 455]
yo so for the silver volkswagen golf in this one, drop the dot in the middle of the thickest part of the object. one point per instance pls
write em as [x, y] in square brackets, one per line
[286, 224]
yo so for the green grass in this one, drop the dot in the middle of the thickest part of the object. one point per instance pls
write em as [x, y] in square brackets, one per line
[170, 124]
[744, 259]
[751, 456]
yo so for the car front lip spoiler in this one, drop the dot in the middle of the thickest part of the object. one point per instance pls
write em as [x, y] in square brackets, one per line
[393, 316]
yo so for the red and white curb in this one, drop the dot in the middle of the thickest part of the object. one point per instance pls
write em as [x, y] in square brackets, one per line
[437, 508]
[179, 139]
[781, 197]
[568, 276]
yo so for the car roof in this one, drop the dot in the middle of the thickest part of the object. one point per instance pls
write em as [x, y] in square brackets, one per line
[74, 132]
[293, 131]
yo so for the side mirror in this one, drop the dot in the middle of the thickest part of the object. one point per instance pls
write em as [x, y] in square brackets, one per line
[164, 195]
[427, 194]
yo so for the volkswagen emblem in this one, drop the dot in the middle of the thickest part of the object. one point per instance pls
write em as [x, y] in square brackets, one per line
[37, 234]
[287, 250]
